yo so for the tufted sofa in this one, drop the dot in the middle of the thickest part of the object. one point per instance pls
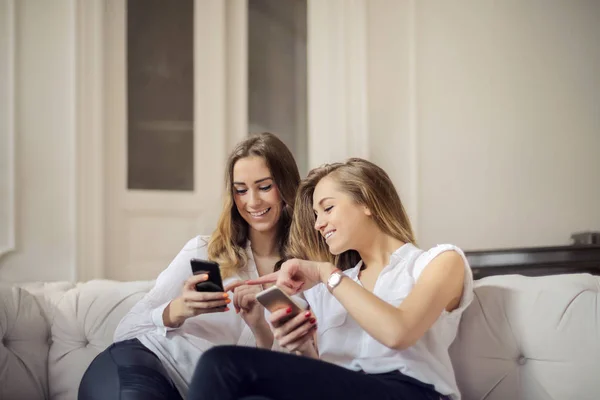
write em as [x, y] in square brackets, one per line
[521, 338]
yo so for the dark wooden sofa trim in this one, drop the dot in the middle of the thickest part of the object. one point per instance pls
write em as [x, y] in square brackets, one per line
[536, 261]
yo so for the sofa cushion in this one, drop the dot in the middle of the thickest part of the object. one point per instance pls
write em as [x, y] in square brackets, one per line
[24, 336]
[47, 294]
[84, 322]
[530, 338]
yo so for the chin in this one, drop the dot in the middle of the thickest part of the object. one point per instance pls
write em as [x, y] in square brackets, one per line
[336, 248]
[335, 251]
[263, 227]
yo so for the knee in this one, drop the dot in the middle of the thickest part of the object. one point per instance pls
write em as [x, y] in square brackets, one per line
[218, 355]
[221, 358]
[98, 375]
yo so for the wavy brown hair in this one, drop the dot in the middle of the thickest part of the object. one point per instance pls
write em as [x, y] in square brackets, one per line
[227, 245]
[366, 184]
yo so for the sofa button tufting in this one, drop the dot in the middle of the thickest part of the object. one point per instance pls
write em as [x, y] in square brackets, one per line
[521, 360]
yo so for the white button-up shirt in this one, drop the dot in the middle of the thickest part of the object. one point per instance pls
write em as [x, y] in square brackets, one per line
[180, 348]
[343, 342]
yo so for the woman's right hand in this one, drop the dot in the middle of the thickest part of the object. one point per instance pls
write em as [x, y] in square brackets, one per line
[296, 275]
[296, 334]
[192, 303]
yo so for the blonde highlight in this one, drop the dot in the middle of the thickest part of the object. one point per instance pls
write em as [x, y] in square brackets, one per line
[367, 184]
[227, 245]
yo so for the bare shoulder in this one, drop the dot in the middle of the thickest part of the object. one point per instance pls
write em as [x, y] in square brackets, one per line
[451, 260]
[442, 265]
[445, 273]
[443, 259]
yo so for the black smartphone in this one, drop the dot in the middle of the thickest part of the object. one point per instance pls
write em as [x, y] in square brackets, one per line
[214, 282]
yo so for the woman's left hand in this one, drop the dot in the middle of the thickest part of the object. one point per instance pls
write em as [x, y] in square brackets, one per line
[295, 334]
[245, 303]
[252, 312]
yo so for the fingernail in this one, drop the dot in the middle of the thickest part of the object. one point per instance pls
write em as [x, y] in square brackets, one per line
[288, 310]
[226, 308]
[227, 301]
[204, 276]
[225, 295]
[307, 314]
[312, 320]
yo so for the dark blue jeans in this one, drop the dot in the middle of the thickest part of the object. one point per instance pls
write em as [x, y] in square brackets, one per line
[127, 371]
[233, 373]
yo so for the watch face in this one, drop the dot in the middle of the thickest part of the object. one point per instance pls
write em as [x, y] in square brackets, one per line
[334, 279]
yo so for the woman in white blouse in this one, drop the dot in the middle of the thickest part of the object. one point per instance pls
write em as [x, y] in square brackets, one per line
[158, 343]
[387, 311]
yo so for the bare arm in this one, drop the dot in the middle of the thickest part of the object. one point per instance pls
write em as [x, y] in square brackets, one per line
[439, 287]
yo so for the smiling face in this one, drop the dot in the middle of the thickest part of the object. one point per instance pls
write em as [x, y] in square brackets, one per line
[255, 194]
[339, 218]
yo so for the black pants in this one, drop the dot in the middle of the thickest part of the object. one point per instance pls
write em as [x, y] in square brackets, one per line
[127, 371]
[233, 373]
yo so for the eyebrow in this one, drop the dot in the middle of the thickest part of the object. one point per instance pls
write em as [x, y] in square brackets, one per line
[258, 181]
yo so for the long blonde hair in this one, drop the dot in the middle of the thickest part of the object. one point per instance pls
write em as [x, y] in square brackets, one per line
[366, 184]
[227, 245]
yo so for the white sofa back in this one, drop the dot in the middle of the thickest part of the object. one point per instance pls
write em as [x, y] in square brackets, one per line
[531, 339]
[521, 338]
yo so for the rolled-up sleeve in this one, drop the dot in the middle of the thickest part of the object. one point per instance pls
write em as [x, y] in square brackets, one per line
[147, 315]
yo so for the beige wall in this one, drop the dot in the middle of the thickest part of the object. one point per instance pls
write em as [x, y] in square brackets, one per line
[501, 101]
[486, 114]
[45, 143]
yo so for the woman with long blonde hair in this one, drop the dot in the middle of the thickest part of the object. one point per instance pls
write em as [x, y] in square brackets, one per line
[158, 343]
[383, 312]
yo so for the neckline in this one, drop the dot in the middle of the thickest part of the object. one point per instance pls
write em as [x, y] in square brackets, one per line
[398, 255]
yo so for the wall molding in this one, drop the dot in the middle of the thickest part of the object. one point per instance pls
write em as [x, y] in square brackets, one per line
[337, 80]
[89, 139]
[7, 129]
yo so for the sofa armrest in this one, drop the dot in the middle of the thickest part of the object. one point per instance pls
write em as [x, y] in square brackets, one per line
[24, 336]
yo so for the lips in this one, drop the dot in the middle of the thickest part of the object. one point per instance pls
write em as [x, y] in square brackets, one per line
[328, 234]
[259, 213]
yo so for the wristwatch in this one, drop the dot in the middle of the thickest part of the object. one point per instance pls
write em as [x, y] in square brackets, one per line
[334, 279]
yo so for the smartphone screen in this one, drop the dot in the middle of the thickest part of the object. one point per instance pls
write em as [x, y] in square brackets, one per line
[214, 282]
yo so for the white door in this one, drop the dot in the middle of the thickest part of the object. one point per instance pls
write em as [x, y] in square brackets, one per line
[250, 70]
[164, 158]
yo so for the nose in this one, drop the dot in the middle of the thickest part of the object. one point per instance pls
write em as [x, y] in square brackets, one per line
[254, 200]
[319, 224]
